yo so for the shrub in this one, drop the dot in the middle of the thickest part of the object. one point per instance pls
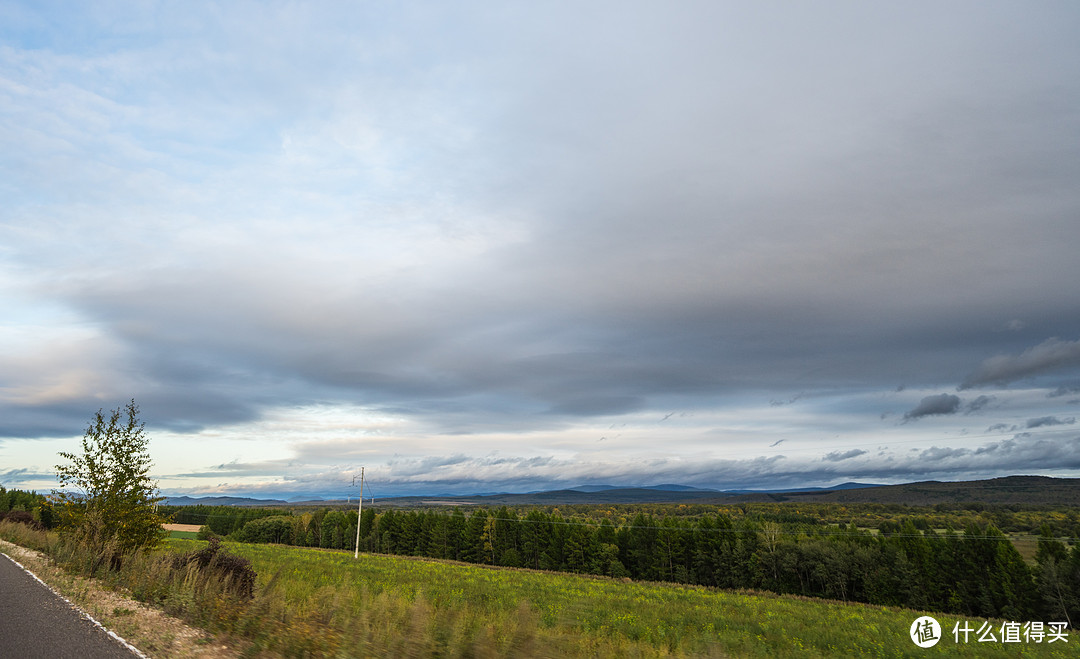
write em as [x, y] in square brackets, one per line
[235, 571]
[21, 517]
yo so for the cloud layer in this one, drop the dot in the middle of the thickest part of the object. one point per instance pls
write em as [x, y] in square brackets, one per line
[517, 231]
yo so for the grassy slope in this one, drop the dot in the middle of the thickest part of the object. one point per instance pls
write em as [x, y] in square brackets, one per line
[324, 602]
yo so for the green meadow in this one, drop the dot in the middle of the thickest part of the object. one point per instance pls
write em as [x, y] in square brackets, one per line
[312, 602]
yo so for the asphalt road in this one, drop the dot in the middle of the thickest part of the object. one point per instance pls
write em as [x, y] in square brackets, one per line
[36, 623]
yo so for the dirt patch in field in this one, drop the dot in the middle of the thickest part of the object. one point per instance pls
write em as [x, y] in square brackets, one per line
[194, 528]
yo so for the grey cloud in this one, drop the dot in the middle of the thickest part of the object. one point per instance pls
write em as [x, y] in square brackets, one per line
[269, 469]
[1051, 355]
[1064, 390]
[1011, 456]
[777, 403]
[598, 405]
[937, 454]
[163, 406]
[1049, 421]
[66, 419]
[14, 474]
[993, 448]
[408, 467]
[837, 456]
[934, 405]
[978, 404]
[27, 479]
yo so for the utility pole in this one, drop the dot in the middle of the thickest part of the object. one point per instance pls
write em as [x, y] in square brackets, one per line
[359, 512]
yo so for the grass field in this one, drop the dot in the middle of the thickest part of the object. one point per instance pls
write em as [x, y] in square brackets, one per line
[323, 603]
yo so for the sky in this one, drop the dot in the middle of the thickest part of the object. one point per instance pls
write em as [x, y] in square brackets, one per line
[506, 247]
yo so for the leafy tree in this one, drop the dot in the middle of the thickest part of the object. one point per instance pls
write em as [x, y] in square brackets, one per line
[115, 506]
[277, 529]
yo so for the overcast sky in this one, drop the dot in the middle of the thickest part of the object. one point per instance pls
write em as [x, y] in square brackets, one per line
[514, 246]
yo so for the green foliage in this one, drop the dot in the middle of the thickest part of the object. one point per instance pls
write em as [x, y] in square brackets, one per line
[276, 529]
[114, 507]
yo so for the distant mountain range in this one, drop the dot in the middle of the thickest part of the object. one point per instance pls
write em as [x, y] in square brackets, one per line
[222, 501]
[667, 492]
[670, 487]
[667, 487]
[1028, 490]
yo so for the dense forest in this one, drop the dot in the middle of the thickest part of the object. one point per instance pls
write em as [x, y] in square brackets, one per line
[906, 560]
